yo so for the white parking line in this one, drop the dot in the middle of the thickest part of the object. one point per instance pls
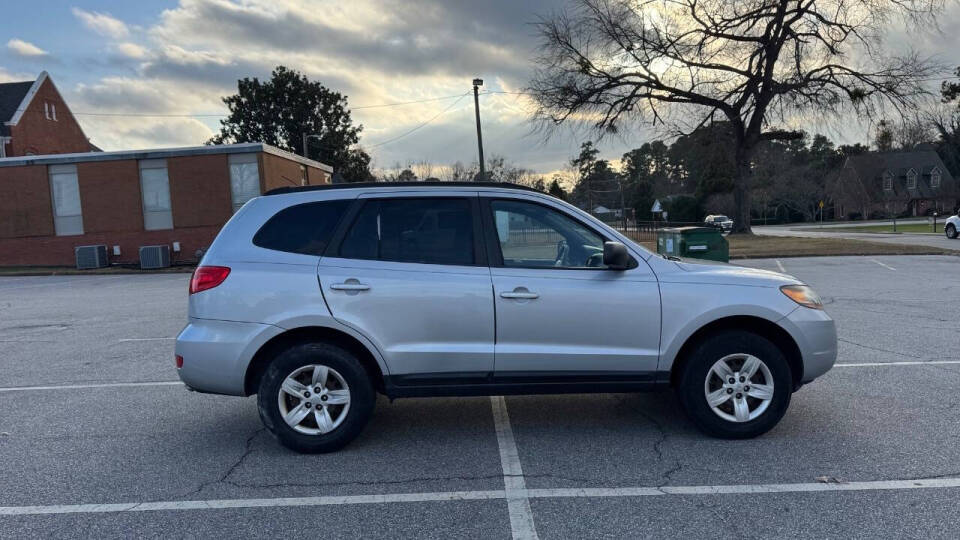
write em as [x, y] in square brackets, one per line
[521, 517]
[917, 363]
[780, 266]
[743, 489]
[93, 385]
[249, 503]
[145, 339]
[887, 266]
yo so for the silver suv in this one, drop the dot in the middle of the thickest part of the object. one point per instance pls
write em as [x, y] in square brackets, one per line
[318, 298]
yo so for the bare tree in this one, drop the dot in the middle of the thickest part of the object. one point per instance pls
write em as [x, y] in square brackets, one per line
[915, 131]
[759, 64]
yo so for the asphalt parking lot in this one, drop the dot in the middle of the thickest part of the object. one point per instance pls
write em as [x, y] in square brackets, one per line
[97, 438]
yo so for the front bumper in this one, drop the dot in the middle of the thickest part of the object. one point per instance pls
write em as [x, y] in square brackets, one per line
[216, 353]
[816, 336]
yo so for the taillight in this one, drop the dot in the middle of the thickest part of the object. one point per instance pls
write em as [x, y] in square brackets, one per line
[207, 277]
[179, 360]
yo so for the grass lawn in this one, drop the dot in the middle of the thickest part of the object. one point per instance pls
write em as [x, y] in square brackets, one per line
[901, 228]
[758, 247]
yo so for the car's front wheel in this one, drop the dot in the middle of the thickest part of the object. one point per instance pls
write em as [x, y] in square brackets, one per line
[950, 230]
[735, 385]
[315, 398]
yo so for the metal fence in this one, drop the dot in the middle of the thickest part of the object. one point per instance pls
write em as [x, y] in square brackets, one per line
[646, 231]
[638, 231]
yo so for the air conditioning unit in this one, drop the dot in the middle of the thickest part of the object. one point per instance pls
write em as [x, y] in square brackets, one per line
[91, 257]
[154, 257]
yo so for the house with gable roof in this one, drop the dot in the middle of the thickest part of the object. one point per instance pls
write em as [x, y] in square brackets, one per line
[35, 120]
[886, 184]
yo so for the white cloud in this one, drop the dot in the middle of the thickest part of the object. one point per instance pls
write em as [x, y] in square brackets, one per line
[7, 76]
[113, 134]
[25, 48]
[102, 23]
[131, 50]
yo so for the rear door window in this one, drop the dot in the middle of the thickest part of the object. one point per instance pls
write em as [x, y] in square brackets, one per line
[427, 231]
[304, 228]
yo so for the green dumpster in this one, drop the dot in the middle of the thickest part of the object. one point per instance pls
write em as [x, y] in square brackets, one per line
[694, 242]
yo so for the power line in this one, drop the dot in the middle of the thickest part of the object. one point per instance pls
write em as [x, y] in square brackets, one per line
[388, 141]
[222, 115]
[441, 98]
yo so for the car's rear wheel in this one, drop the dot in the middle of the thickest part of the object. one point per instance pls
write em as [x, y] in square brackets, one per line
[951, 231]
[735, 385]
[315, 398]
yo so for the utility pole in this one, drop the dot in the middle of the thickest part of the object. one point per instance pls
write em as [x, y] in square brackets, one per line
[477, 83]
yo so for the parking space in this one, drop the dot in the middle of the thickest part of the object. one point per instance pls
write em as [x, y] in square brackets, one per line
[870, 449]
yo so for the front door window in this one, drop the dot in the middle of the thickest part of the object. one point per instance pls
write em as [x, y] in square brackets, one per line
[535, 236]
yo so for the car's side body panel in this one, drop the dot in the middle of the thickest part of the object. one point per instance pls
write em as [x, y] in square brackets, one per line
[422, 318]
[217, 353]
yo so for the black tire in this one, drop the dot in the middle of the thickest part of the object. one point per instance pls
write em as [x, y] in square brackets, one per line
[950, 231]
[690, 389]
[362, 397]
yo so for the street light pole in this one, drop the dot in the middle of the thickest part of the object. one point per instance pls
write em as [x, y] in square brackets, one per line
[477, 83]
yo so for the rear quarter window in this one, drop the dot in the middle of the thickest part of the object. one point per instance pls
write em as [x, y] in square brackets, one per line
[304, 228]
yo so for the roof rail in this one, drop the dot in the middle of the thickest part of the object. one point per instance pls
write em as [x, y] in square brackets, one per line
[324, 187]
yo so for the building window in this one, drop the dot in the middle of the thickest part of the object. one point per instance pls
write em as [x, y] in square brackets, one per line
[65, 193]
[50, 110]
[303, 176]
[887, 182]
[155, 189]
[935, 176]
[244, 179]
[911, 179]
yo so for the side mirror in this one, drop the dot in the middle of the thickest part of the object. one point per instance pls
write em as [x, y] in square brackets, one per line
[615, 256]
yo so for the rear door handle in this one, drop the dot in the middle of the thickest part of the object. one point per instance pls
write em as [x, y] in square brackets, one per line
[520, 293]
[350, 285]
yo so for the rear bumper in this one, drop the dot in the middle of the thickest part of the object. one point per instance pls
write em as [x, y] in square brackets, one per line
[816, 336]
[216, 353]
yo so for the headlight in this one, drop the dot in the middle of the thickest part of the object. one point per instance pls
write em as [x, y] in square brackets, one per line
[803, 295]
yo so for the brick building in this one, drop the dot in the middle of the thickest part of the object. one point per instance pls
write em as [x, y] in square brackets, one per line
[35, 120]
[49, 204]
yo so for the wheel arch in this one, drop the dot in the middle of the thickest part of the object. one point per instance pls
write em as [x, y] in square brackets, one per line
[312, 334]
[748, 323]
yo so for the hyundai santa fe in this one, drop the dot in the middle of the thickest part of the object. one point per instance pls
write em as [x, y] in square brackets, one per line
[316, 299]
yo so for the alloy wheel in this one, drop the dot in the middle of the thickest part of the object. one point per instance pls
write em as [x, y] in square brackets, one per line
[314, 399]
[739, 387]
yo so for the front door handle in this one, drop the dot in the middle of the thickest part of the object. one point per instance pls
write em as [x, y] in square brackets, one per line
[350, 285]
[520, 293]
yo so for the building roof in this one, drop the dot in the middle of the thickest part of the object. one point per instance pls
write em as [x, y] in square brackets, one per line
[870, 167]
[11, 96]
[161, 153]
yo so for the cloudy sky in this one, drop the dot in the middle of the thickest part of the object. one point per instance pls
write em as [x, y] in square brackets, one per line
[113, 58]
